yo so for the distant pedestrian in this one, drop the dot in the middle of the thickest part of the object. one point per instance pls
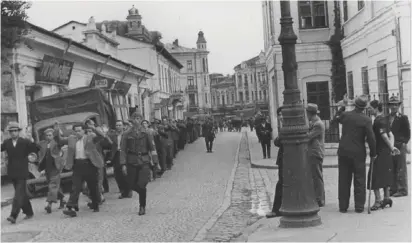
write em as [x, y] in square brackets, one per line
[209, 134]
[18, 150]
[264, 129]
[316, 150]
[382, 176]
[356, 128]
[400, 127]
[277, 201]
[52, 162]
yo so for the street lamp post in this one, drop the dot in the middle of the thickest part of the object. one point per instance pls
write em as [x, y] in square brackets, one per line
[299, 207]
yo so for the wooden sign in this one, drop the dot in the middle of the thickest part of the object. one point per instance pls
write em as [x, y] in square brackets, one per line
[54, 71]
[101, 82]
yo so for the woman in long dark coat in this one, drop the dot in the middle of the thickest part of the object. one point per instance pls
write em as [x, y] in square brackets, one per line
[383, 164]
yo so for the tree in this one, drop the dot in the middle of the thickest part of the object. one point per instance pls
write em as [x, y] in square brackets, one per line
[338, 64]
[13, 23]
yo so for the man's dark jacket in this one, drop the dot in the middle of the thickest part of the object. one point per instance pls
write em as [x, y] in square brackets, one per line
[18, 162]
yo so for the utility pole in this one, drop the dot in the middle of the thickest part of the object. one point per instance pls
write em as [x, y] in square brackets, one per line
[299, 207]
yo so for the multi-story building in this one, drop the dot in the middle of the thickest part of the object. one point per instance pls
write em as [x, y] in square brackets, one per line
[313, 24]
[376, 49]
[223, 93]
[252, 86]
[162, 94]
[195, 74]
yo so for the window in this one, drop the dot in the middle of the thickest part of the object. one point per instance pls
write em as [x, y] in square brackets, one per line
[239, 81]
[313, 14]
[204, 65]
[245, 82]
[218, 99]
[205, 79]
[223, 99]
[264, 94]
[253, 96]
[190, 81]
[263, 77]
[258, 74]
[365, 81]
[207, 66]
[350, 86]
[256, 95]
[233, 98]
[260, 94]
[240, 96]
[345, 10]
[361, 4]
[192, 99]
[382, 82]
[247, 96]
[206, 98]
[189, 65]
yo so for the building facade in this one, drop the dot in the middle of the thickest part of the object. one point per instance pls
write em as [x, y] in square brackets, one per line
[50, 63]
[377, 52]
[162, 94]
[195, 75]
[223, 94]
[313, 24]
[251, 85]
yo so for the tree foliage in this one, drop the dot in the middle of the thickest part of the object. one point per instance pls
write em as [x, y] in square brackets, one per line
[13, 22]
[338, 64]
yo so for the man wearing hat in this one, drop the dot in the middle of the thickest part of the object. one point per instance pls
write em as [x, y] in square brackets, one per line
[137, 153]
[264, 129]
[52, 162]
[316, 150]
[356, 127]
[400, 128]
[18, 150]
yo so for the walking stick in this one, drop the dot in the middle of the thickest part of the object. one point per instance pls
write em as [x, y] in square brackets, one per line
[370, 184]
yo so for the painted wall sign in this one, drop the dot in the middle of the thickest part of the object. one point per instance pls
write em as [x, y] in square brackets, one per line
[54, 71]
[101, 82]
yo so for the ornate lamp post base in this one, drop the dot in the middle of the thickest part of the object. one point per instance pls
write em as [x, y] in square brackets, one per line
[300, 221]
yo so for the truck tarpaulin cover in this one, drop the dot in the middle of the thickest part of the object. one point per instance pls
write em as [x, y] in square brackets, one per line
[78, 100]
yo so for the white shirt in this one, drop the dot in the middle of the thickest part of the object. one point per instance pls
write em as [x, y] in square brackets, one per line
[14, 142]
[119, 139]
[80, 154]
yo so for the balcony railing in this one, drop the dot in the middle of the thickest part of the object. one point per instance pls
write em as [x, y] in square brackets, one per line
[191, 88]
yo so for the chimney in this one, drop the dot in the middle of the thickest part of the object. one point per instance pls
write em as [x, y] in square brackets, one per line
[176, 42]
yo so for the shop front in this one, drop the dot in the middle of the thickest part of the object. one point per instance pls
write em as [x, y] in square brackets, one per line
[51, 64]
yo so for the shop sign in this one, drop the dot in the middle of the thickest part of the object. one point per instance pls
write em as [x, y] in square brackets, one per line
[122, 87]
[101, 82]
[54, 71]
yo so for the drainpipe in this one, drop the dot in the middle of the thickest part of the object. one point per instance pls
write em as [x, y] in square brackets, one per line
[399, 57]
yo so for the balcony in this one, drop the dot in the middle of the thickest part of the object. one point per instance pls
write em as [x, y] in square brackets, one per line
[191, 88]
[193, 107]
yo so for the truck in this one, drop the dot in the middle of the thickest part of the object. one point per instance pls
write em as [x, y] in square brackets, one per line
[68, 108]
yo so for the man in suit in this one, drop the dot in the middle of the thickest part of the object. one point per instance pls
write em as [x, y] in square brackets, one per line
[356, 127]
[121, 179]
[137, 153]
[401, 130]
[18, 150]
[83, 156]
[264, 129]
[277, 201]
[52, 162]
[316, 150]
[209, 134]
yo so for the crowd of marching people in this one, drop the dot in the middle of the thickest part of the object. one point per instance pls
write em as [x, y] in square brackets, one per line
[139, 151]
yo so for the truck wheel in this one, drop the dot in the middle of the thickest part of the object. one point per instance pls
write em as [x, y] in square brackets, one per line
[31, 189]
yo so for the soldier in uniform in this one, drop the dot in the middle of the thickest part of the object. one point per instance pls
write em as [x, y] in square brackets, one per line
[356, 126]
[137, 155]
[209, 134]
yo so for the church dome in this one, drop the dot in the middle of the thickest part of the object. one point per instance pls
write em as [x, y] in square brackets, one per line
[133, 11]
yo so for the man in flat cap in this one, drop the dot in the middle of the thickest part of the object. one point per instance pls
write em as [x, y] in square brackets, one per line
[52, 162]
[356, 127]
[137, 153]
[401, 130]
[18, 150]
[316, 150]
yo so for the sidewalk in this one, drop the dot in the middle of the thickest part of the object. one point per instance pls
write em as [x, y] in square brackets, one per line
[388, 225]
[258, 161]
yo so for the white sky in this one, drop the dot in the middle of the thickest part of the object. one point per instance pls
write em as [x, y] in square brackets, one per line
[233, 29]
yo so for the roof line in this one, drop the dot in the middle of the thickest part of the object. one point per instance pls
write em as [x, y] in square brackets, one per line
[55, 35]
[71, 21]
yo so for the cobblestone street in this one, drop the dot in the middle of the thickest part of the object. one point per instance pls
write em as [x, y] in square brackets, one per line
[179, 204]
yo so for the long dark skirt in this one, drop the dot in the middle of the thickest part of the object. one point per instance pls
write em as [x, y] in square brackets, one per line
[382, 170]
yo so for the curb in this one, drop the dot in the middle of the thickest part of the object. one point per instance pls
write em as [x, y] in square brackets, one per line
[274, 167]
[201, 234]
[6, 202]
